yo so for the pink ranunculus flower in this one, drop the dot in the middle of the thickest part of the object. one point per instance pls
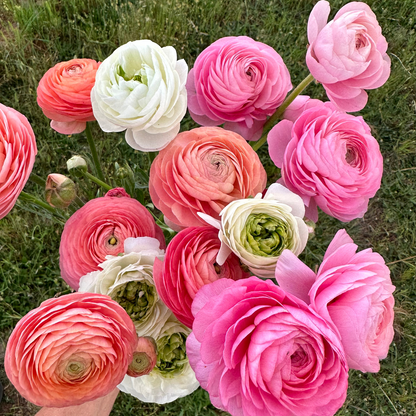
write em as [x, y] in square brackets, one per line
[99, 229]
[348, 54]
[351, 290]
[330, 159]
[70, 350]
[64, 94]
[238, 81]
[189, 264]
[300, 104]
[203, 170]
[17, 156]
[259, 351]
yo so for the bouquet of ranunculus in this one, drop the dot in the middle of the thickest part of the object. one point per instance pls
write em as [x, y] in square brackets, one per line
[225, 303]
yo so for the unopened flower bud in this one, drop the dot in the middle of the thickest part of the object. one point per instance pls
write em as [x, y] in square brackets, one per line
[59, 190]
[144, 357]
[77, 165]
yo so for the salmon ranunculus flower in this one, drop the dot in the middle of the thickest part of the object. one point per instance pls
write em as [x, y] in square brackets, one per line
[17, 156]
[203, 170]
[70, 350]
[99, 229]
[64, 94]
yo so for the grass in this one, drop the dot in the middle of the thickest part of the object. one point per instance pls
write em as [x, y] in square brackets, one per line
[36, 34]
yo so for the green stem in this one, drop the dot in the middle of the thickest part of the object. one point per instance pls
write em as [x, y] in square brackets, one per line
[94, 152]
[78, 201]
[37, 179]
[279, 112]
[30, 198]
[97, 181]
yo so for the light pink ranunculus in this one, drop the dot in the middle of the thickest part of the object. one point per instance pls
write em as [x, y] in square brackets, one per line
[17, 156]
[300, 104]
[330, 159]
[64, 94]
[99, 229]
[189, 264]
[351, 290]
[238, 81]
[259, 351]
[203, 170]
[348, 54]
[70, 350]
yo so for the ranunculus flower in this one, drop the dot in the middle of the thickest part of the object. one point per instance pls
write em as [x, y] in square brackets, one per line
[238, 81]
[259, 351]
[128, 279]
[70, 350]
[258, 229]
[172, 376]
[140, 88]
[330, 159]
[348, 54]
[300, 104]
[17, 156]
[99, 229]
[144, 357]
[351, 290]
[59, 190]
[203, 170]
[190, 263]
[64, 94]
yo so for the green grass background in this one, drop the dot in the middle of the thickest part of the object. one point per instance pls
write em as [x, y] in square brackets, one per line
[37, 34]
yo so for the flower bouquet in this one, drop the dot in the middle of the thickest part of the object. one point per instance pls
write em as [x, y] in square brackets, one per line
[197, 282]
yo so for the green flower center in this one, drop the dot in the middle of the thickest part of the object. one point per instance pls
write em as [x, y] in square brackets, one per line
[265, 236]
[171, 355]
[140, 75]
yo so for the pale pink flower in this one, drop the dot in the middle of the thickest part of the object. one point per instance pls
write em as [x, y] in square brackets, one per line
[259, 351]
[330, 159]
[351, 290]
[238, 81]
[348, 54]
[70, 350]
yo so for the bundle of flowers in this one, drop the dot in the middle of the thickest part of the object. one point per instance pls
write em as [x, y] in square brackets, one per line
[226, 303]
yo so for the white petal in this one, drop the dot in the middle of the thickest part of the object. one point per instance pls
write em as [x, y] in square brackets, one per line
[281, 194]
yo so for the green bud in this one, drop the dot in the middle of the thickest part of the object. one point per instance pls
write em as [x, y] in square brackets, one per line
[59, 191]
[77, 166]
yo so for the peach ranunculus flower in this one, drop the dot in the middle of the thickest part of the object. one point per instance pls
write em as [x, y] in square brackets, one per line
[17, 156]
[70, 350]
[64, 94]
[99, 229]
[203, 170]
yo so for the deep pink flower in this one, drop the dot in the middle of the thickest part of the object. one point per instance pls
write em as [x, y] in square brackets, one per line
[348, 54]
[259, 351]
[189, 264]
[17, 156]
[330, 159]
[202, 170]
[64, 94]
[70, 350]
[99, 229]
[238, 81]
[351, 290]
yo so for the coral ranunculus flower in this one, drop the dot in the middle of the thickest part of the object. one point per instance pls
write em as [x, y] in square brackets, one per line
[99, 229]
[17, 156]
[64, 94]
[70, 350]
[203, 170]
[189, 264]
[260, 351]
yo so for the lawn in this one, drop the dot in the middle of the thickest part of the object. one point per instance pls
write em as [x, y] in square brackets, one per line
[37, 34]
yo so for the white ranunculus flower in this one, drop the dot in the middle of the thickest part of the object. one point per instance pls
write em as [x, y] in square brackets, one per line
[172, 377]
[140, 88]
[128, 279]
[258, 229]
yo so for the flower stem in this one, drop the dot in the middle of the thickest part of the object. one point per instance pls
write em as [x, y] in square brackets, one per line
[37, 179]
[279, 112]
[30, 198]
[94, 152]
[97, 181]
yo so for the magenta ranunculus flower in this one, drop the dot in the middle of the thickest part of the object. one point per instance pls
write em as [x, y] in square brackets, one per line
[353, 291]
[70, 350]
[189, 264]
[238, 81]
[99, 229]
[203, 170]
[330, 159]
[17, 156]
[259, 351]
[348, 54]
